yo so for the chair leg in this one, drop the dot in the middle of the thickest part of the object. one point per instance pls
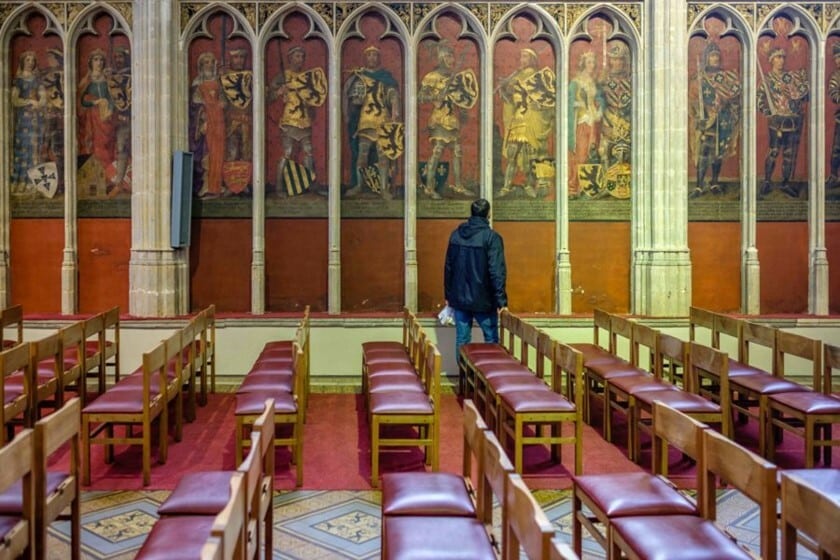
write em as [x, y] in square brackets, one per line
[810, 434]
[374, 451]
[147, 456]
[85, 450]
[517, 443]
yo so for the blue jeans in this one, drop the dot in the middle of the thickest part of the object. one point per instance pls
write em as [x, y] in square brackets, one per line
[489, 323]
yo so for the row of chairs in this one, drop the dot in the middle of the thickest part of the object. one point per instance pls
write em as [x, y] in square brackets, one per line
[279, 373]
[780, 398]
[401, 385]
[224, 515]
[31, 496]
[459, 513]
[38, 374]
[509, 383]
[166, 376]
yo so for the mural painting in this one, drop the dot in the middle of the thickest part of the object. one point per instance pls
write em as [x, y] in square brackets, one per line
[783, 95]
[600, 112]
[220, 118]
[714, 113]
[296, 119]
[103, 108]
[525, 100]
[448, 145]
[832, 119]
[37, 109]
[372, 98]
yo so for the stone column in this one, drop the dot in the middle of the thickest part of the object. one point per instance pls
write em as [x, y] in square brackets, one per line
[661, 263]
[410, 212]
[156, 271]
[258, 188]
[818, 288]
[334, 174]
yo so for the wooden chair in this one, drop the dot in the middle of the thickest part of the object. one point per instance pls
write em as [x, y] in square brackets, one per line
[203, 493]
[188, 536]
[74, 360]
[46, 369]
[110, 341]
[17, 539]
[16, 390]
[526, 524]
[475, 354]
[408, 409]
[701, 325]
[287, 414]
[545, 408]
[207, 373]
[11, 319]
[130, 405]
[561, 551]
[808, 414]
[811, 506]
[713, 365]
[671, 536]
[58, 492]
[612, 496]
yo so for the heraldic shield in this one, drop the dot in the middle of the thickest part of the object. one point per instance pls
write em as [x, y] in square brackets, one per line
[237, 86]
[311, 86]
[541, 88]
[391, 139]
[462, 90]
[297, 178]
[45, 178]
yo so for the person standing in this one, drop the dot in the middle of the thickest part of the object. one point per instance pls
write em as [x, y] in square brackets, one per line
[586, 110]
[207, 122]
[27, 97]
[119, 83]
[475, 276]
[782, 96]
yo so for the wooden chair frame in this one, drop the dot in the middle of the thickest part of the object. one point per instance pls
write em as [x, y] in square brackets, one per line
[17, 458]
[526, 523]
[19, 408]
[508, 335]
[49, 393]
[74, 360]
[807, 508]
[12, 317]
[94, 328]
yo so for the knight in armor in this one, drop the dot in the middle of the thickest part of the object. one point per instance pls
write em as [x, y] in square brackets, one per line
[236, 83]
[528, 115]
[451, 94]
[834, 96]
[52, 80]
[715, 107]
[120, 86]
[300, 92]
[782, 96]
[616, 129]
[371, 107]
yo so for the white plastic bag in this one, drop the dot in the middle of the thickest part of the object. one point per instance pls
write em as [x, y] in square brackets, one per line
[446, 317]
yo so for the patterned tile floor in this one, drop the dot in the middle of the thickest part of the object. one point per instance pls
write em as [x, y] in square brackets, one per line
[321, 524]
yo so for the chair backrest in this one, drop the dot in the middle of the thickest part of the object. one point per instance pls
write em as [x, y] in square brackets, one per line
[799, 353]
[672, 361]
[731, 327]
[568, 362]
[12, 317]
[16, 458]
[806, 508]
[758, 344]
[474, 425]
[175, 353]
[264, 425]
[212, 549]
[496, 466]
[706, 362]
[601, 322]
[155, 362]
[230, 523]
[701, 323]
[752, 475]
[252, 468]
[545, 354]
[53, 432]
[560, 551]
[529, 337]
[644, 350]
[408, 321]
[831, 361]
[677, 429]
[527, 524]
[75, 362]
[431, 374]
[621, 336]
[508, 324]
[13, 360]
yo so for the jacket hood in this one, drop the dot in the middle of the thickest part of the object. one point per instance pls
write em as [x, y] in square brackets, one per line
[472, 227]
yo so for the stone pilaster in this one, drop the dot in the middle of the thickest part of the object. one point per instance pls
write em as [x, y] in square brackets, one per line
[157, 285]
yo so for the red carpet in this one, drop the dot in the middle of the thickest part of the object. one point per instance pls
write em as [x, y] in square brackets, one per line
[337, 451]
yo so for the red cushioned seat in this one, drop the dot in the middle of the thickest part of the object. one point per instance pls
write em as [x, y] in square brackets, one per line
[11, 394]
[267, 381]
[433, 493]
[514, 382]
[407, 382]
[432, 538]
[271, 367]
[488, 360]
[129, 402]
[134, 382]
[274, 359]
[536, 400]
[387, 360]
[15, 381]
[398, 402]
[388, 368]
[254, 403]
[377, 345]
[633, 384]
[634, 493]
[611, 369]
[593, 353]
[737, 369]
[472, 349]
[177, 538]
[278, 346]
[677, 537]
[681, 400]
[767, 384]
[491, 370]
[809, 402]
[11, 501]
[198, 493]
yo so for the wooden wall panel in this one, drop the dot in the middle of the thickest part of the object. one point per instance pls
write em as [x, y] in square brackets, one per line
[220, 264]
[783, 254]
[600, 258]
[104, 253]
[832, 246]
[432, 240]
[372, 255]
[35, 264]
[296, 264]
[715, 249]
[529, 252]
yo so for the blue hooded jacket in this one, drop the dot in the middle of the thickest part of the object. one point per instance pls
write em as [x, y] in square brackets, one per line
[475, 273]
